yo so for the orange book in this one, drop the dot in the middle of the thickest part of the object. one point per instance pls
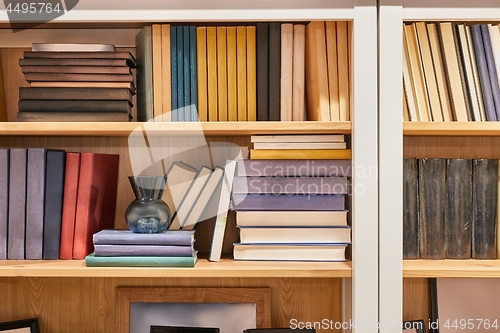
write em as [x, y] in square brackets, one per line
[166, 72]
[286, 96]
[251, 75]
[298, 74]
[201, 47]
[212, 74]
[241, 72]
[343, 70]
[3, 107]
[222, 73]
[333, 75]
[157, 72]
[232, 99]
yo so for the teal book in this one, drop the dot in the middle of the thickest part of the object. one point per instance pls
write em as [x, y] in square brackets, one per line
[194, 73]
[180, 73]
[144, 49]
[173, 60]
[187, 75]
[92, 261]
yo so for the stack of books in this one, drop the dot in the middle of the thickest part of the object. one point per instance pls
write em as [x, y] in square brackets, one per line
[125, 248]
[77, 82]
[291, 210]
[314, 147]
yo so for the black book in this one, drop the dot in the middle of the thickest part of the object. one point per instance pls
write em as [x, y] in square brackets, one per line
[458, 208]
[274, 70]
[182, 329]
[432, 194]
[74, 106]
[93, 94]
[484, 196]
[410, 209]
[262, 36]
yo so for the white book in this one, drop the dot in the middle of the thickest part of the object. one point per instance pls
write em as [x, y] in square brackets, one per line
[295, 235]
[291, 219]
[299, 145]
[84, 47]
[298, 138]
[272, 252]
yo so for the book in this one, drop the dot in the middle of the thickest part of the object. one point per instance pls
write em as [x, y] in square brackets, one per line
[213, 113]
[298, 138]
[298, 73]
[3, 106]
[53, 205]
[343, 69]
[157, 71]
[145, 94]
[68, 77]
[125, 261]
[432, 213]
[42, 93]
[125, 85]
[286, 93]
[290, 185]
[232, 87]
[127, 237]
[74, 116]
[115, 250]
[484, 203]
[241, 72]
[81, 47]
[299, 145]
[333, 74]
[477, 83]
[271, 252]
[291, 219]
[17, 203]
[222, 73]
[300, 154]
[76, 69]
[294, 168]
[166, 73]
[410, 97]
[201, 56]
[179, 111]
[251, 73]
[4, 201]
[71, 177]
[492, 71]
[288, 202]
[262, 56]
[274, 70]
[222, 211]
[458, 208]
[96, 204]
[182, 329]
[193, 69]
[295, 235]
[35, 105]
[186, 71]
[410, 209]
[75, 62]
[131, 61]
[173, 72]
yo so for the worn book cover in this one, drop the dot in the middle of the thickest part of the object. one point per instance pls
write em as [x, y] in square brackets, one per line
[410, 209]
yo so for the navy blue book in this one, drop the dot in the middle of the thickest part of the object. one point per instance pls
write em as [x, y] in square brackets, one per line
[4, 201]
[262, 36]
[287, 202]
[194, 73]
[492, 71]
[180, 73]
[187, 74]
[173, 59]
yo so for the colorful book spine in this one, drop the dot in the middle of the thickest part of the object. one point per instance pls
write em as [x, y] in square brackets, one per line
[180, 74]
[17, 203]
[187, 73]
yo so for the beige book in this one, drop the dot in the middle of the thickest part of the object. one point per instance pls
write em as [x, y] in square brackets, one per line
[440, 72]
[232, 99]
[241, 71]
[213, 114]
[251, 74]
[157, 72]
[333, 75]
[343, 70]
[286, 102]
[201, 57]
[166, 72]
[408, 89]
[298, 73]
[477, 83]
[429, 74]
[222, 73]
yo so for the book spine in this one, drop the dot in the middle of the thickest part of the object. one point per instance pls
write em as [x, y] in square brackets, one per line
[157, 72]
[166, 63]
[271, 202]
[232, 94]
[343, 69]
[17, 203]
[262, 43]
[492, 71]
[432, 194]
[274, 70]
[213, 113]
[484, 197]
[300, 154]
[145, 76]
[173, 71]
[39, 93]
[290, 185]
[73, 106]
[241, 71]
[4, 201]
[187, 73]
[251, 74]
[194, 73]
[286, 97]
[142, 250]
[298, 74]
[202, 90]
[180, 74]
[222, 73]
[410, 209]
[294, 168]
[93, 261]
[172, 238]
[458, 208]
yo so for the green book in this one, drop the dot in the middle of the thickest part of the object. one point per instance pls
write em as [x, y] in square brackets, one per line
[92, 261]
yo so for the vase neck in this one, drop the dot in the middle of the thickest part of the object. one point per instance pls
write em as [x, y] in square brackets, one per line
[148, 187]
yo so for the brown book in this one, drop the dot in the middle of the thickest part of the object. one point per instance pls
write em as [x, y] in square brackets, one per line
[74, 62]
[40, 93]
[60, 84]
[34, 105]
[232, 93]
[251, 74]
[212, 73]
[286, 72]
[157, 72]
[222, 73]
[74, 116]
[298, 85]
[333, 75]
[343, 70]
[82, 55]
[77, 69]
[166, 73]
[201, 56]
[33, 77]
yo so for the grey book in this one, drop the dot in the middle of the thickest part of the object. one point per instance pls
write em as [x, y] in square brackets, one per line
[144, 47]
[294, 168]
[127, 237]
[116, 250]
[410, 209]
[17, 203]
[4, 201]
[291, 185]
[288, 202]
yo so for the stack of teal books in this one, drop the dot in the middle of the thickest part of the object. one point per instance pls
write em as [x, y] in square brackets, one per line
[123, 248]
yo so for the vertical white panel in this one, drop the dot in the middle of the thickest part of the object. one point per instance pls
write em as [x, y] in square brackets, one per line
[365, 162]
[390, 165]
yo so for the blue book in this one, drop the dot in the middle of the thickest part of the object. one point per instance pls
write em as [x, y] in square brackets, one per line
[482, 68]
[490, 62]
[194, 73]
[180, 73]
[187, 74]
[173, 56]
[92, 261]
[127, 237]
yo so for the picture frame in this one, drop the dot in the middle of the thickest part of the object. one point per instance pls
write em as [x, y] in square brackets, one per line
[261, 297]
[414, 326]
[21, 326]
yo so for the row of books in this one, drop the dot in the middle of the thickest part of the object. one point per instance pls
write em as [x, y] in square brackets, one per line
[244, 73]
[53, 201]
[451, 72]
[450, 208]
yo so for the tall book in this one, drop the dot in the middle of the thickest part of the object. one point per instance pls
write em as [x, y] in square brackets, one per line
[413, 113]
[466, 71]
[201, 47]
[458, 208]
[286, 103]
[193, 68]
[333, 73]
[4, 201]
[232, 92]
[179, 112]
[187, 73]
[251, 74]
[96, 204]
[432, 195]
[298, 75]
[410, 209]
[3, 106]
[17, 203]
[274, 70]
[484, 203]
[222, 73]
[166, 73]
[213, 108]
[144, 50]
[262, 43]
[241, 72]
[157, 71]
[173, 73]
[343, 69]
[492, 71]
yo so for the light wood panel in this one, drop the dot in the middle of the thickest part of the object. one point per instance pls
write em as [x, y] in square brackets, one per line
[81, 305]
[452, 147]
[416, 300]
[452, 268]
[453, 128]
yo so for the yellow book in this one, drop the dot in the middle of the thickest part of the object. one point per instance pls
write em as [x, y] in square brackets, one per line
[232, 105]
[298, 75]
[241, 72]
[251, 75]
[222, 73]
[157, 72]
[406, 113]
[333, 75]
[166, 72]
[343, 70]
[213, 114]
[286, 99]
[300, 154]
[201, 47]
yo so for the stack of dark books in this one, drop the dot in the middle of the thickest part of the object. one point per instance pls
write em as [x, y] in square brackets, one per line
[68, 84]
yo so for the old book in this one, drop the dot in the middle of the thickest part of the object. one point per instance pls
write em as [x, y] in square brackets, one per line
[294, 168]
[74, 116]
[120, 85]
[318, 99]
[279, 252]
[300, 154]
[461, 42]
[432, 213]
[251, 74]
[17, 203]
[492, 71]
[82, 55]
[75, 62]
[284, 202]
[410, 209]
[53, 206]
[274, 70]
[193, 72]
[299, 72]
[96, 204]
[187, 74]
[127, 237]
[201, 40]
[34, 105]
[343, 70]
[262, 43]
[411, 99]
[298, 138]
[213, 113]
[39, 93]
[145, 261]
[222, 73]
[232, 93]
[241, 72]
[115, 250]
[81, 47]
[69, 77]
[166, 73]
[291, 235]
[145, 93]
[290, 185]
[484, 203]
[173, 72]
[77, 69]
[291, 219]
[157, 71]
[299, 145]
[333, 74]
[4, 201]
[286, 93]
[71, 177]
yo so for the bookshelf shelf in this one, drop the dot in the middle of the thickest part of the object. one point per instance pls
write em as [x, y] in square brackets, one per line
[451, 268]
[451, 128]
[226, 268]
[459, 10]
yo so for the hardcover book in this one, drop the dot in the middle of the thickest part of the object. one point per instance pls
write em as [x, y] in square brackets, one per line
[300, 154]
[17, 203]
[128, 261]
[74, 116]
[295, 235]
[262, 43]
[74, 106]
[47, 93]
[290, 185]
[291, 219]
[274, 70]
[288, 202]
[145, 94]
[127, 237]
[410, 209]
[281, 252]
[116, 250]
[294, 168]
[183, 329]
[4, 201]
[82, 55]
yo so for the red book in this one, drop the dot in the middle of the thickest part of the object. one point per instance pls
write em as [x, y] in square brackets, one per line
[69, 205]
[95, 208]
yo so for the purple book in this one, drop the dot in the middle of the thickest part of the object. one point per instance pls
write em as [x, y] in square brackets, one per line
[127, 237]
[290, 185]
[17, 204]
[288, 202]
[492, 71]
[294, 168]
[143, 250]
[4, 201]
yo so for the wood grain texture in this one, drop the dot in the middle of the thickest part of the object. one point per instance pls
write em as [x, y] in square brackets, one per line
[451, 147]
[416, 300]
[13, 78]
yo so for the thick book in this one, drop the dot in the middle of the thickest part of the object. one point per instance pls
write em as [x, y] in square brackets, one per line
[193, 69]
[274, 70]
[213, 113]
[458, 208]
[179, 39]
[96, 204]
[39, 93]
[343, 41]
[294, 168]
[410, 209]
[273, 252]
[291, 219]
[82, 55]
[74, 116]
[432, 195]
[232, 93]
[484, 203]
[80, 47]
[40, 105]
[166, 75]
[288, 202]
[187, 73]
[222, 73]
[295, 235]
[182, 329]
[76, 69]
[127, 237]
[115, 250]
[125, 261]
[333, 67]
[299, 145]
[71, 77]
[157, 70]
[17, 203]
[299, 72]
[300, 154]
[262, 52]
[53, 205]
[290, 185]
[4, 201]
[81, 84]
[75, 62]
[492, 71]
[297, 138]
[145, 93]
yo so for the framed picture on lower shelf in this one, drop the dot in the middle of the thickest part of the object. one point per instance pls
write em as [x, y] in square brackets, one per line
[414, 326]
[21, 326]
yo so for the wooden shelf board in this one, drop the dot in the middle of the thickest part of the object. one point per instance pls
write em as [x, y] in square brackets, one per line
[225, 268]
[172, 128]
[490, 128]
[451, 268]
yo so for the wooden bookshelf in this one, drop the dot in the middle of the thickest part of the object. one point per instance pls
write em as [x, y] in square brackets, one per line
[451, 268]
[490, 128]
